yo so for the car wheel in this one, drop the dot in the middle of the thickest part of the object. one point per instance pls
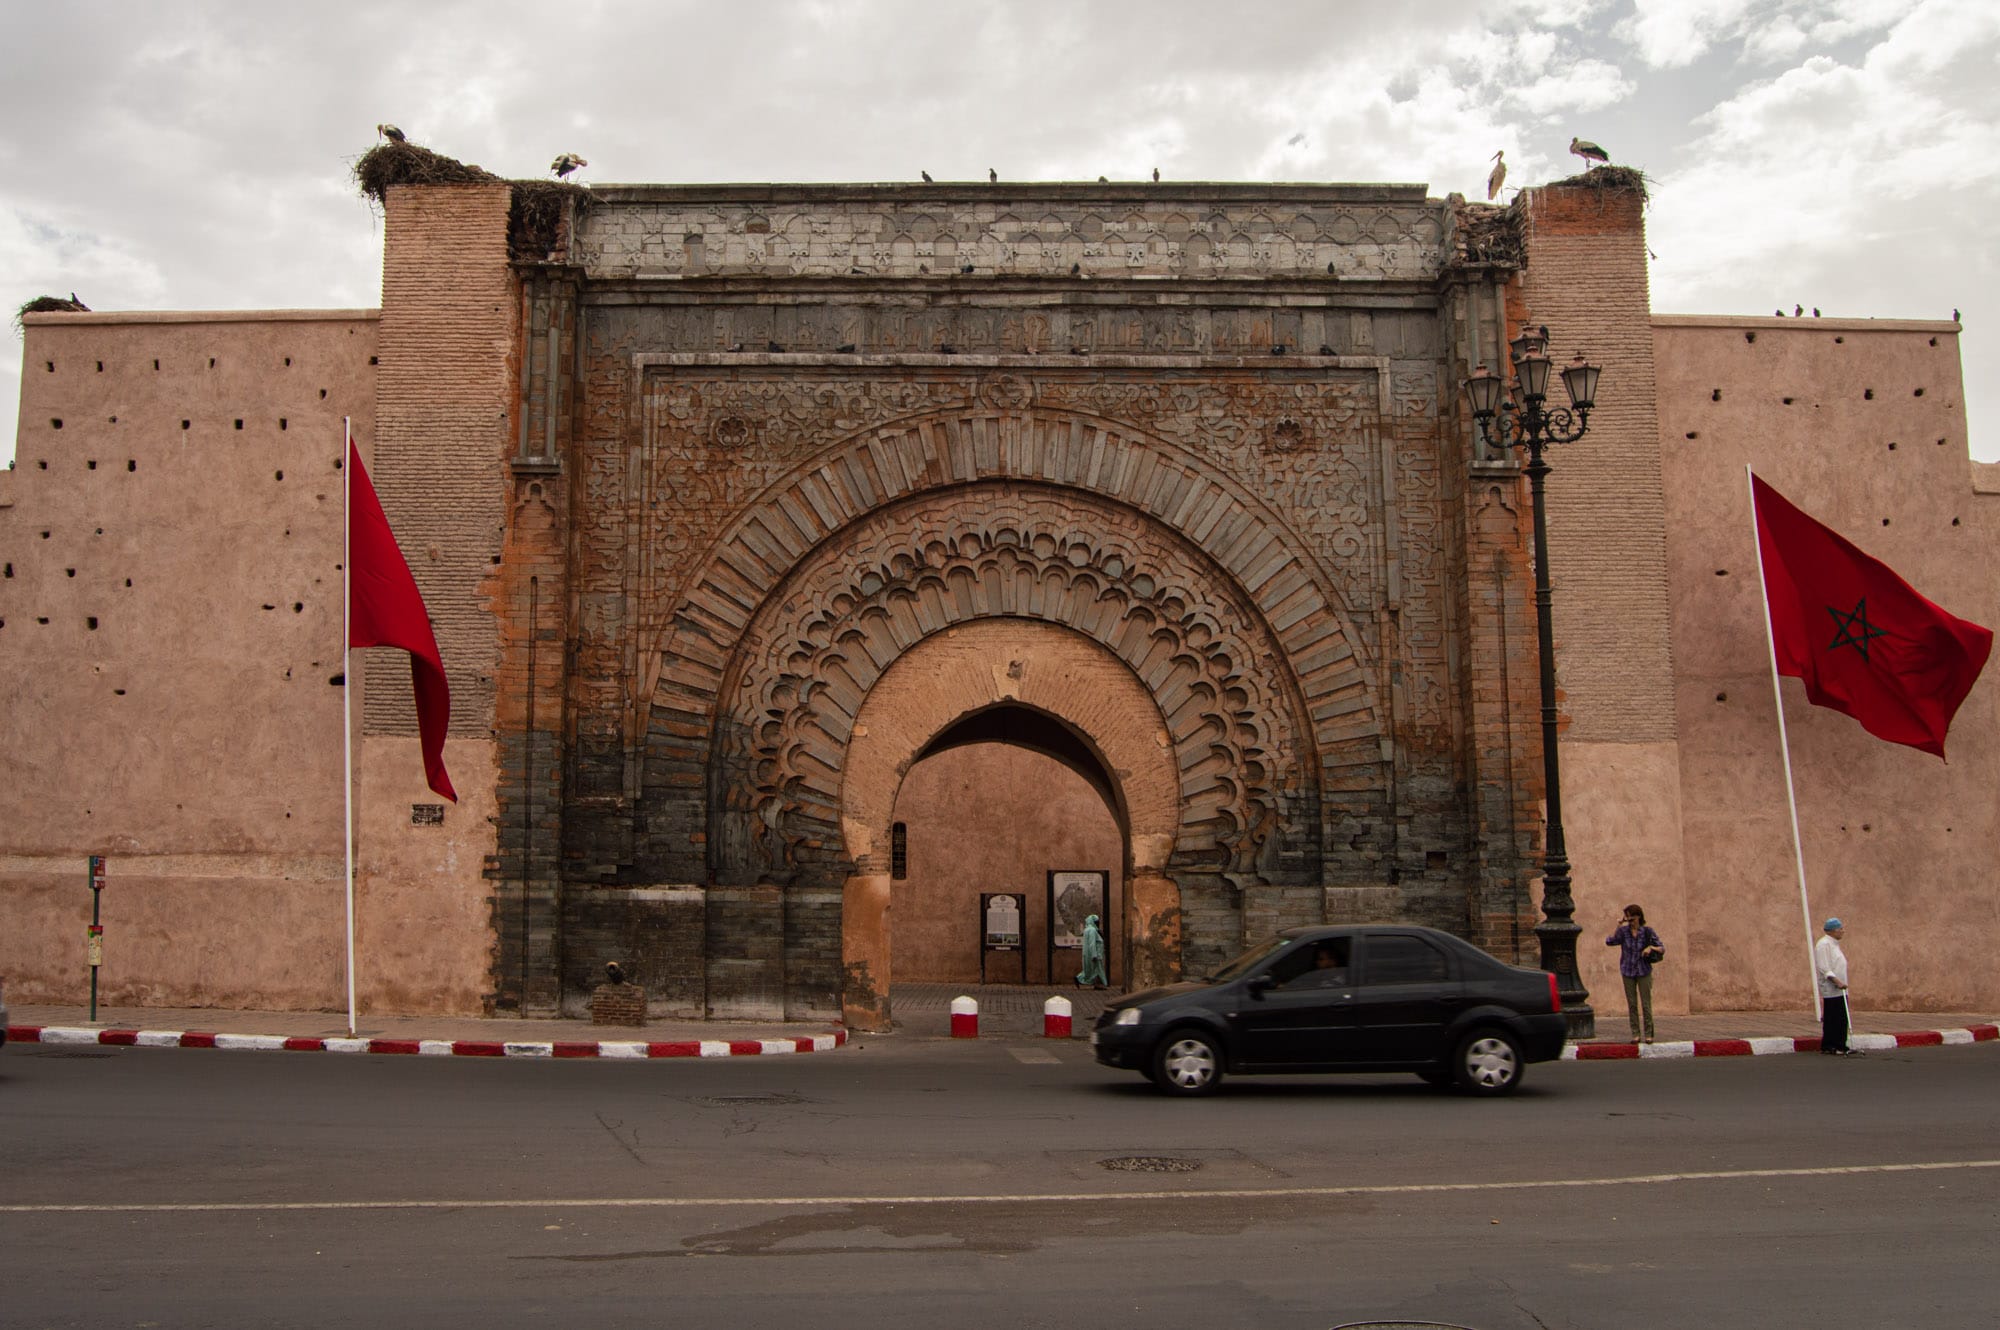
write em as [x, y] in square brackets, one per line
[1188, 1062]
[1488, 1062]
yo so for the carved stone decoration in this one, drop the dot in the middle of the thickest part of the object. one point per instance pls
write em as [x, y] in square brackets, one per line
[1236, 718]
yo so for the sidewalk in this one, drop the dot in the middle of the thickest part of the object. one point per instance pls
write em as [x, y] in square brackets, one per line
[921, 1011]
[458, 1036]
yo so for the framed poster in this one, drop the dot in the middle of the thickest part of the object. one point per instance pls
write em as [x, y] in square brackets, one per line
[1000, 914]
[1074, 897]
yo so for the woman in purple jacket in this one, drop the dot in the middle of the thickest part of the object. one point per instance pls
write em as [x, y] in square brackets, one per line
[1638, 948]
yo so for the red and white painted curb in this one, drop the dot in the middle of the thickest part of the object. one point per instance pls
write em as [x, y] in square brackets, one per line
[1732, 1048]
[461, 1048]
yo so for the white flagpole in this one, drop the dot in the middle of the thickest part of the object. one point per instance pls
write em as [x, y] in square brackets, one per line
[347, 688]
[1784, 741]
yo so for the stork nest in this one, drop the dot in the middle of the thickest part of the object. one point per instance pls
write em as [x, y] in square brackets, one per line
[49, 305]
[1622, 179]
[535, 215]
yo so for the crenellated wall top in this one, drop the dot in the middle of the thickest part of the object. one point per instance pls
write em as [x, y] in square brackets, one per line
[1386, 232]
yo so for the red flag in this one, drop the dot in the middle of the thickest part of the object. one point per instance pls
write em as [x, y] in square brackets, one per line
[385, 610]
[1861, 637]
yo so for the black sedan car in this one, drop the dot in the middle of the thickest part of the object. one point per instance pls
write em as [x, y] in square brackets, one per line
[1376, 998]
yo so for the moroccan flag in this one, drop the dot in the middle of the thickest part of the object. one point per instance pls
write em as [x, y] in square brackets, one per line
[1861, 637]
[385, 610]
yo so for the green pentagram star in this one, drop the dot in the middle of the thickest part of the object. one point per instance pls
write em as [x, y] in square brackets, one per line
[1853, 629]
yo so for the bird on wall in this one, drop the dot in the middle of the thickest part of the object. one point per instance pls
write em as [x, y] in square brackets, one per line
[614, 972]
[1815, 311]
[1498, 176]
[1104, 180]
[1587, 150]
[563, 165]
[992, 176]
[1798, 311]
[1156, 175]
[927, 177]
[1954, 313]
[390, 132]
[78, 307]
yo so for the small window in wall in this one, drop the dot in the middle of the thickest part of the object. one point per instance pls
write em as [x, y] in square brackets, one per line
[899, 851]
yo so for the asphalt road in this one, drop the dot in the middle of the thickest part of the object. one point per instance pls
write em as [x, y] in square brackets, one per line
[999, 1183]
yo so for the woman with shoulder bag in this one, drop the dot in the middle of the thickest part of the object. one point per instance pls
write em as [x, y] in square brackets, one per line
[1639, 950]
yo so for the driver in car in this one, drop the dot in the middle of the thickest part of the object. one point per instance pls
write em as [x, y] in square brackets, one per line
[1328, 969]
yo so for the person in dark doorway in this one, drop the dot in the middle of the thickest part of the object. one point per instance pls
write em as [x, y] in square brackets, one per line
[1830, 964]
[1639, 948]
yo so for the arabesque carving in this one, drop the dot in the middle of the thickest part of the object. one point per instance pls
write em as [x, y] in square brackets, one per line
[1235, 717]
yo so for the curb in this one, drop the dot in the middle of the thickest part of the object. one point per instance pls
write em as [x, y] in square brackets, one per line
[1731, 1048]
[626, 1050]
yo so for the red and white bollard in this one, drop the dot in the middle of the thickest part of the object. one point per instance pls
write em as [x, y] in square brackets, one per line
[1055, 1018]
[964, 1018]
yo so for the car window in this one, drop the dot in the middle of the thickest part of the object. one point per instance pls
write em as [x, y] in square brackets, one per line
[1321, 964]
[1397, 958]
[1248, 961]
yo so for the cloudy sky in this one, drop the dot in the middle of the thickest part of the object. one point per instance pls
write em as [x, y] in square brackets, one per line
[1843, 154]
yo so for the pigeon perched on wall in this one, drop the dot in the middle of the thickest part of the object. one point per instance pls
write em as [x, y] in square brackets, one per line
[992, 176]
[927, 177]
[568, 162]
[1587, 150]
[614, 972]
[1156, 175]
[1498, 176]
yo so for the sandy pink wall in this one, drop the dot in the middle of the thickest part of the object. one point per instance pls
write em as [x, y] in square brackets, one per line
[992, 817]
[1872, 442]
[192, 735]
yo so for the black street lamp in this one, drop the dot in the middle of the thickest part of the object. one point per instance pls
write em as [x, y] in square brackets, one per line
[1533, 426]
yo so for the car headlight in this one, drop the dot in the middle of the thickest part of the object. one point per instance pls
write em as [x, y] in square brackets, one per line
[1126, 1016]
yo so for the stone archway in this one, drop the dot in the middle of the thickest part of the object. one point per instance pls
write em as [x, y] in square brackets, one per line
[1235, 718]
[958, 673]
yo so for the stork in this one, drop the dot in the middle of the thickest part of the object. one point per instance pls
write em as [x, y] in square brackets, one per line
[390, 132]
[565, 164]
[1589, 151]
[1498, 176]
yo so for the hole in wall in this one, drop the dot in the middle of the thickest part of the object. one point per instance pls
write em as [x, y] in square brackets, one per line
[45, 535]
[1787, 401]
[298, 607]
[55, 422]
[338, 680]
[184, 424]
[1692, 434]
[1715, 394]
[1918, 393]
[1868, 394]
[90, 465]
[1892, 447]
[1933, 341]
[1838, 340]
[1954, 521]
[1722, 697]
[100, 367]
[128, 581]
[131, 465]
[91, 623]
[52, 366]
[322, 394]
[288, 362]
[1885, 521]
[156, 366]
[239, 424]
[1749, 337]
[42, 463]
[373, 360]
[41, 618]
[70, 571]
[119, 691]
[284, 423]
[279, 475]
[211, 362]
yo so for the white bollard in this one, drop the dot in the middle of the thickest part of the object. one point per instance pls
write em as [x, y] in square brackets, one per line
[1056, 1018]
[964, 1017]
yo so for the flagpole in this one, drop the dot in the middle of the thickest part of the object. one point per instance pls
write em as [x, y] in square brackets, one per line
[1784, 740]
[347, 689]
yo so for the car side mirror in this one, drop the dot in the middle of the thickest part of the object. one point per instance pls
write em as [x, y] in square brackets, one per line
[1259, 984]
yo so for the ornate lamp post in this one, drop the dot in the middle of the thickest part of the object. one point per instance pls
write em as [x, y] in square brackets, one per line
[1533, 426]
